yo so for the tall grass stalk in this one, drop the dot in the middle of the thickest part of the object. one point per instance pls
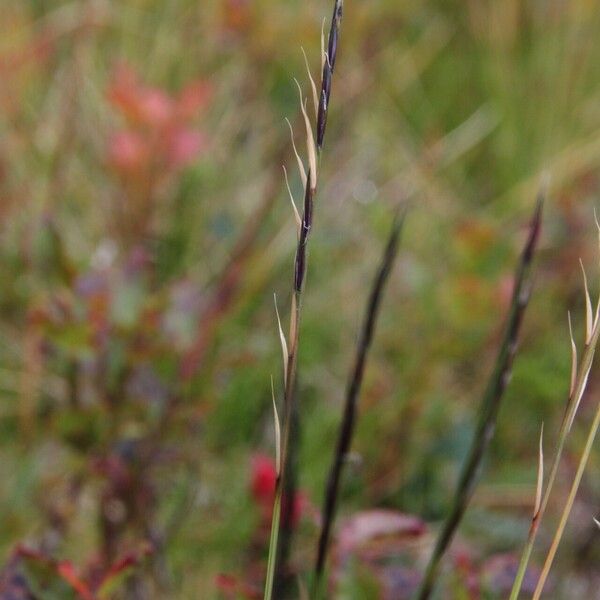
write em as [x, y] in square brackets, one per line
[284, 489]
[568, 506]
[579, 378]
[346, 429]
[489, 407]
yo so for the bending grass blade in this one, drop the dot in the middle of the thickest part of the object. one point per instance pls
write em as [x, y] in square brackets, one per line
[352, 393]
[579, 378]
[489, 407]
[539, 486]
[591, 338]
[568, 506]
[277, 500]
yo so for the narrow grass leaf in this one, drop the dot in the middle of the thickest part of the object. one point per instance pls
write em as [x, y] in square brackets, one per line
[568, 506]
[347, 424]
[294, 319]
[573, 358]
[301, 168]
[284, 347]
[312, 84]
[540, 477]
[583, 371]
[489, 407]
[277, 431]
[294, 207]
[589, 320]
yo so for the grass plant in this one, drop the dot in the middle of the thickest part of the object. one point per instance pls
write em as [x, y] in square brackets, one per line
[579, 378]
[347, 424]
[281, 523]
[490, 405]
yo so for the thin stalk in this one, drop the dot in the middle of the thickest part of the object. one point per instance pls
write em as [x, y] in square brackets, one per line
[273, 545]
[346, 429]
[535, 522]
[568, 506]
[579, 378]
[489, 408]
[285, 485]
[275, 567]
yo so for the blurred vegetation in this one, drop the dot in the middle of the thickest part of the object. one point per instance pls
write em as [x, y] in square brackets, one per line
[146, 225]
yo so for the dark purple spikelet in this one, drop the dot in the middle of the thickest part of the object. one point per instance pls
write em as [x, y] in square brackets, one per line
[278, 579]
[346, 429]
[328, 67]
[300, 266]
[334, 32]
[490, 405]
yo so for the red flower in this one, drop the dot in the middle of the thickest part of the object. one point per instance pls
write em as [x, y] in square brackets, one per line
[264, 478]
[127, 151]
[158, 134]
[183, 146]
[193, 99]
[263, 482]
[138, 103]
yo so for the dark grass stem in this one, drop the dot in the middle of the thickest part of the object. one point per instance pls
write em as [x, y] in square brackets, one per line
[347, 424]
[489, 407]
[281, 529]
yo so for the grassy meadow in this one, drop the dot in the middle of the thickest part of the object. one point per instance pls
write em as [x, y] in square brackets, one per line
[145, 227]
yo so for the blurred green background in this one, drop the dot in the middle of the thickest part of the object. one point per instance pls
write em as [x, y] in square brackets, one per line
[145, 226]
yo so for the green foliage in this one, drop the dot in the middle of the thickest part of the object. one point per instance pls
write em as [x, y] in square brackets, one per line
[120, 217]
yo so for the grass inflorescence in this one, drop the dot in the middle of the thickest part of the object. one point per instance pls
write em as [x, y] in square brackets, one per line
[490, 405]
[347, 424]
[281, 530]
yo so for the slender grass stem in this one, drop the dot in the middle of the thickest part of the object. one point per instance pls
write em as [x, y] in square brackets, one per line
[579, 378]
[273, 545]
[489, 408]
[346, 429]
[568, 506]
[285, 486]
[535, 522]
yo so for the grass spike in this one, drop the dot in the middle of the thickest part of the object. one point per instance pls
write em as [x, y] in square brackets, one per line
[346, 428]
[323, 53]
[310, 142]
[573, 402]
[489, 407]
[280, 542]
